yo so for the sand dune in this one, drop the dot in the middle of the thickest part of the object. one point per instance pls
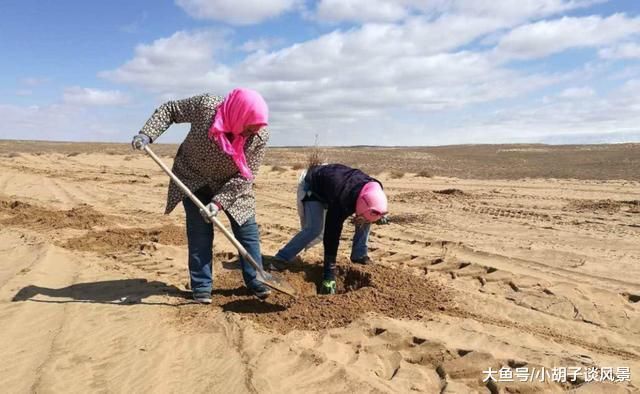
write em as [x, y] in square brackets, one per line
[471, 274]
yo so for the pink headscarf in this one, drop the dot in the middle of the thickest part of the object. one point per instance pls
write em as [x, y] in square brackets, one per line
[241, 108]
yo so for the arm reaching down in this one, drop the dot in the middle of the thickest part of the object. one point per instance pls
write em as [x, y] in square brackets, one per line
[332, 231]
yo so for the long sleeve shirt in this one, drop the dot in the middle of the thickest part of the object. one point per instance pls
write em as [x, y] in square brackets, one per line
[201, 163]
[338, 186]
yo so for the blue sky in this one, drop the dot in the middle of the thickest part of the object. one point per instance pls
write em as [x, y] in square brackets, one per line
[378, 72]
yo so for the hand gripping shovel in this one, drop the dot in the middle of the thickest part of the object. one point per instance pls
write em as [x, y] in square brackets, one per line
[268, 279]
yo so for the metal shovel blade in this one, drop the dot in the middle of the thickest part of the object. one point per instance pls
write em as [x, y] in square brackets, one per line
[275, 283]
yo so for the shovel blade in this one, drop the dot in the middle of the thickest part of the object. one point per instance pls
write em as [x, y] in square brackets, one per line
[276, 283]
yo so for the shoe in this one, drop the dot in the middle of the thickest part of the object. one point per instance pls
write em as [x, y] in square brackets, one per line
[202, 297]
[328, 287]
[362, 260]
[273, 263]
[261, 291]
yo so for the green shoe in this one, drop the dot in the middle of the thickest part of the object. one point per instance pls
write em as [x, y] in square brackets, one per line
[328, 287]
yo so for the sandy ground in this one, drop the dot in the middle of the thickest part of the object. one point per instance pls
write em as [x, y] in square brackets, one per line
[471, 274]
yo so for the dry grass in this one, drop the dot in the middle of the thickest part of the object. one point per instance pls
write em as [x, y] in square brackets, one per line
[315, 158]
[73, 154]
[424, 174]
[298, 166]
[278, 169]
[612, 161]
[396, 174]
[596, 205]
[451, 192]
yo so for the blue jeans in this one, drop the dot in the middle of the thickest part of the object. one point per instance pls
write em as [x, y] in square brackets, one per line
[200, 243]
[314, 223]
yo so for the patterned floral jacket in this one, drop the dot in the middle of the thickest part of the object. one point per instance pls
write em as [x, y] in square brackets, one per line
[200, 162]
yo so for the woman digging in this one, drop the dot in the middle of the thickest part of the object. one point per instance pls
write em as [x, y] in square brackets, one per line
[218, 160]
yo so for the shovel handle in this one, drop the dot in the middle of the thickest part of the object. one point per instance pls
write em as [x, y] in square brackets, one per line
[212, 218]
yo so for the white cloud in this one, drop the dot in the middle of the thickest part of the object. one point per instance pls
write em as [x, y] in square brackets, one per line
[419, 80]
[135, 26]
[61, 122]
[577, 93]
[29, 84]
[630, 89]
[178, 65]
[261, 44]
[238, 12]
[508, 12]
[628, 50]
[33, 82]
[377, 66]
[590, 119]
[362, 10]
[87, 96]
[343, 77]
[336, 52]
[385, 56]
[544, 38]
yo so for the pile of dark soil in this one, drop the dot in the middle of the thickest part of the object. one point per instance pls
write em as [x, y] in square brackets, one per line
[413, 196]
[406, 218]
[451, 192]
[129, 239]
[361, 289]
[595, 205]
[24, 214]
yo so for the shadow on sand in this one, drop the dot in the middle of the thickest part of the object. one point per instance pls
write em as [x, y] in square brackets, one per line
[134, 291]
[252, 306]
[117, 292]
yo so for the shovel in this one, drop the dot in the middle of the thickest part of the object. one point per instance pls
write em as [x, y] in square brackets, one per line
[268, 279]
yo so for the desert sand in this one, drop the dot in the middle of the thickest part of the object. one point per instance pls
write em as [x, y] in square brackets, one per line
[519, 270]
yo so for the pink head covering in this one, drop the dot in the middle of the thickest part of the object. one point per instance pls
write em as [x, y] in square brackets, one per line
[241, 108]
[372, 202]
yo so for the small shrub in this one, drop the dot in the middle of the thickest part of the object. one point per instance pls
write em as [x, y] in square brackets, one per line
[13, 154]
[315, 157]
[396, 174]
[424, 174]
[278, 169]
[73, 154]
[299, 166]
[451, 192]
